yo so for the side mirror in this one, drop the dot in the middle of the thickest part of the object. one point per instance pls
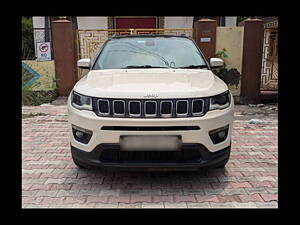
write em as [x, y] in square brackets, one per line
[216, 63]
[84, 63]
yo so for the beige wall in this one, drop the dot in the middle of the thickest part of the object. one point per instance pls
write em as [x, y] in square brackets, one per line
[178, 22]
[96, 22]
[47, 71]
[231, 38]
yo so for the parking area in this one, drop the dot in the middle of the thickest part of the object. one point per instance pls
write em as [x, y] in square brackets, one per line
[51, 180]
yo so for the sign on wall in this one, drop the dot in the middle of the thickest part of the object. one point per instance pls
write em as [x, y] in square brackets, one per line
[43, 51]
[207, 39]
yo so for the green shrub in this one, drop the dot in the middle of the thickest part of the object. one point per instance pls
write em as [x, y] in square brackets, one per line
[241, 18]
[27, 39]
[229, 75]
[33, 97]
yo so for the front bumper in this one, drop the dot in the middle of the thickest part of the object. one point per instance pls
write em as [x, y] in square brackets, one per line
[206, 158]
[210, 121]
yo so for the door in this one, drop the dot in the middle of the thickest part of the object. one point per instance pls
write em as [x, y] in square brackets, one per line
[135, 22]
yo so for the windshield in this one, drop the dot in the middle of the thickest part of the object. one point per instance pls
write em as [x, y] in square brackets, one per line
[149, 52]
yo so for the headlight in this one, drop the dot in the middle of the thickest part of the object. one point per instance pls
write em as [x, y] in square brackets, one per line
[81, 101]
[220, 101]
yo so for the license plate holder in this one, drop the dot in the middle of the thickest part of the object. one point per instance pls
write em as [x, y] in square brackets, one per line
[150, 143]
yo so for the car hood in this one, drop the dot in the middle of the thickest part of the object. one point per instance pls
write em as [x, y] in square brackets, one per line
[150, 83]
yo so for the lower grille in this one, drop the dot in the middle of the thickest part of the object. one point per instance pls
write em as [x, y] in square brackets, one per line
[117, 156]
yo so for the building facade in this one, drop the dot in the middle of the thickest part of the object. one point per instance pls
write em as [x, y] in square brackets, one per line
[42, 24]
[118, 22]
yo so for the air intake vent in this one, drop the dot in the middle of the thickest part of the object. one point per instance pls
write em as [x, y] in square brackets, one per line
[150, 108]
[103, 106]
[182, 107]
[166, 108]
[197, 106]
[134, 108]
[117, 156]
[119, 107]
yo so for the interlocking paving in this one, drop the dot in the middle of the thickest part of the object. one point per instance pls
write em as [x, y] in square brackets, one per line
[51, 180]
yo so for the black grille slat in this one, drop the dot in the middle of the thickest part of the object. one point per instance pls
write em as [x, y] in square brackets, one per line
[119, 107]
[197, 106]
[135, 108]
[166, 108]
[150, 108]
[103, 106]
[182, 107]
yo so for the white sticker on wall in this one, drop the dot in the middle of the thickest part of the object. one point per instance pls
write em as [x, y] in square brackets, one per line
[205, 39]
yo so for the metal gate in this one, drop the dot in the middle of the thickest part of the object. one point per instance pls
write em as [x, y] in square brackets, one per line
[269, 72]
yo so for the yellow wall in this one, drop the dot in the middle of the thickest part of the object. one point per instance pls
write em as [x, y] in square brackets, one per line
[231, 38]
[47, 71]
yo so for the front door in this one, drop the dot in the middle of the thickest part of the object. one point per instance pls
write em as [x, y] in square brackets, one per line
[135, 22]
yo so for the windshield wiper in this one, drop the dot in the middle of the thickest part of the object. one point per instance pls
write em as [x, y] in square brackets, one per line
[192, 67]
[143, 66]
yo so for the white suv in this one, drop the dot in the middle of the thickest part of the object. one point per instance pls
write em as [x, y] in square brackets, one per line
[150, 101]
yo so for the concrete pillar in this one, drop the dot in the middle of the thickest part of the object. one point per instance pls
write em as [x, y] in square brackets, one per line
[65, 55]
[205, 36]
[252, 60]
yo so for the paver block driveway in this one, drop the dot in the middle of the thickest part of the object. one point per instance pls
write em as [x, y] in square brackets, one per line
[51, 180]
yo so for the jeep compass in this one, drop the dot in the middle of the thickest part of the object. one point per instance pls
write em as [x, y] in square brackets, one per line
[150, 102]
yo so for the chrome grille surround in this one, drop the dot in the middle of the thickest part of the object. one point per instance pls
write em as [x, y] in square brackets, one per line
[104, 100]
[150, 115]
[113, 106]
[187, 108]
[199, 113]
[166, 115]
[159, 103]
[133, 114]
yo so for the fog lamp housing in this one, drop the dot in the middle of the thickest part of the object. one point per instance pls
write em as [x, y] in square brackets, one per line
[81, 135]
[219, 135]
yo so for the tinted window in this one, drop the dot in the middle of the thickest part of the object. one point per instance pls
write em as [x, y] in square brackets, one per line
[150, 51]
